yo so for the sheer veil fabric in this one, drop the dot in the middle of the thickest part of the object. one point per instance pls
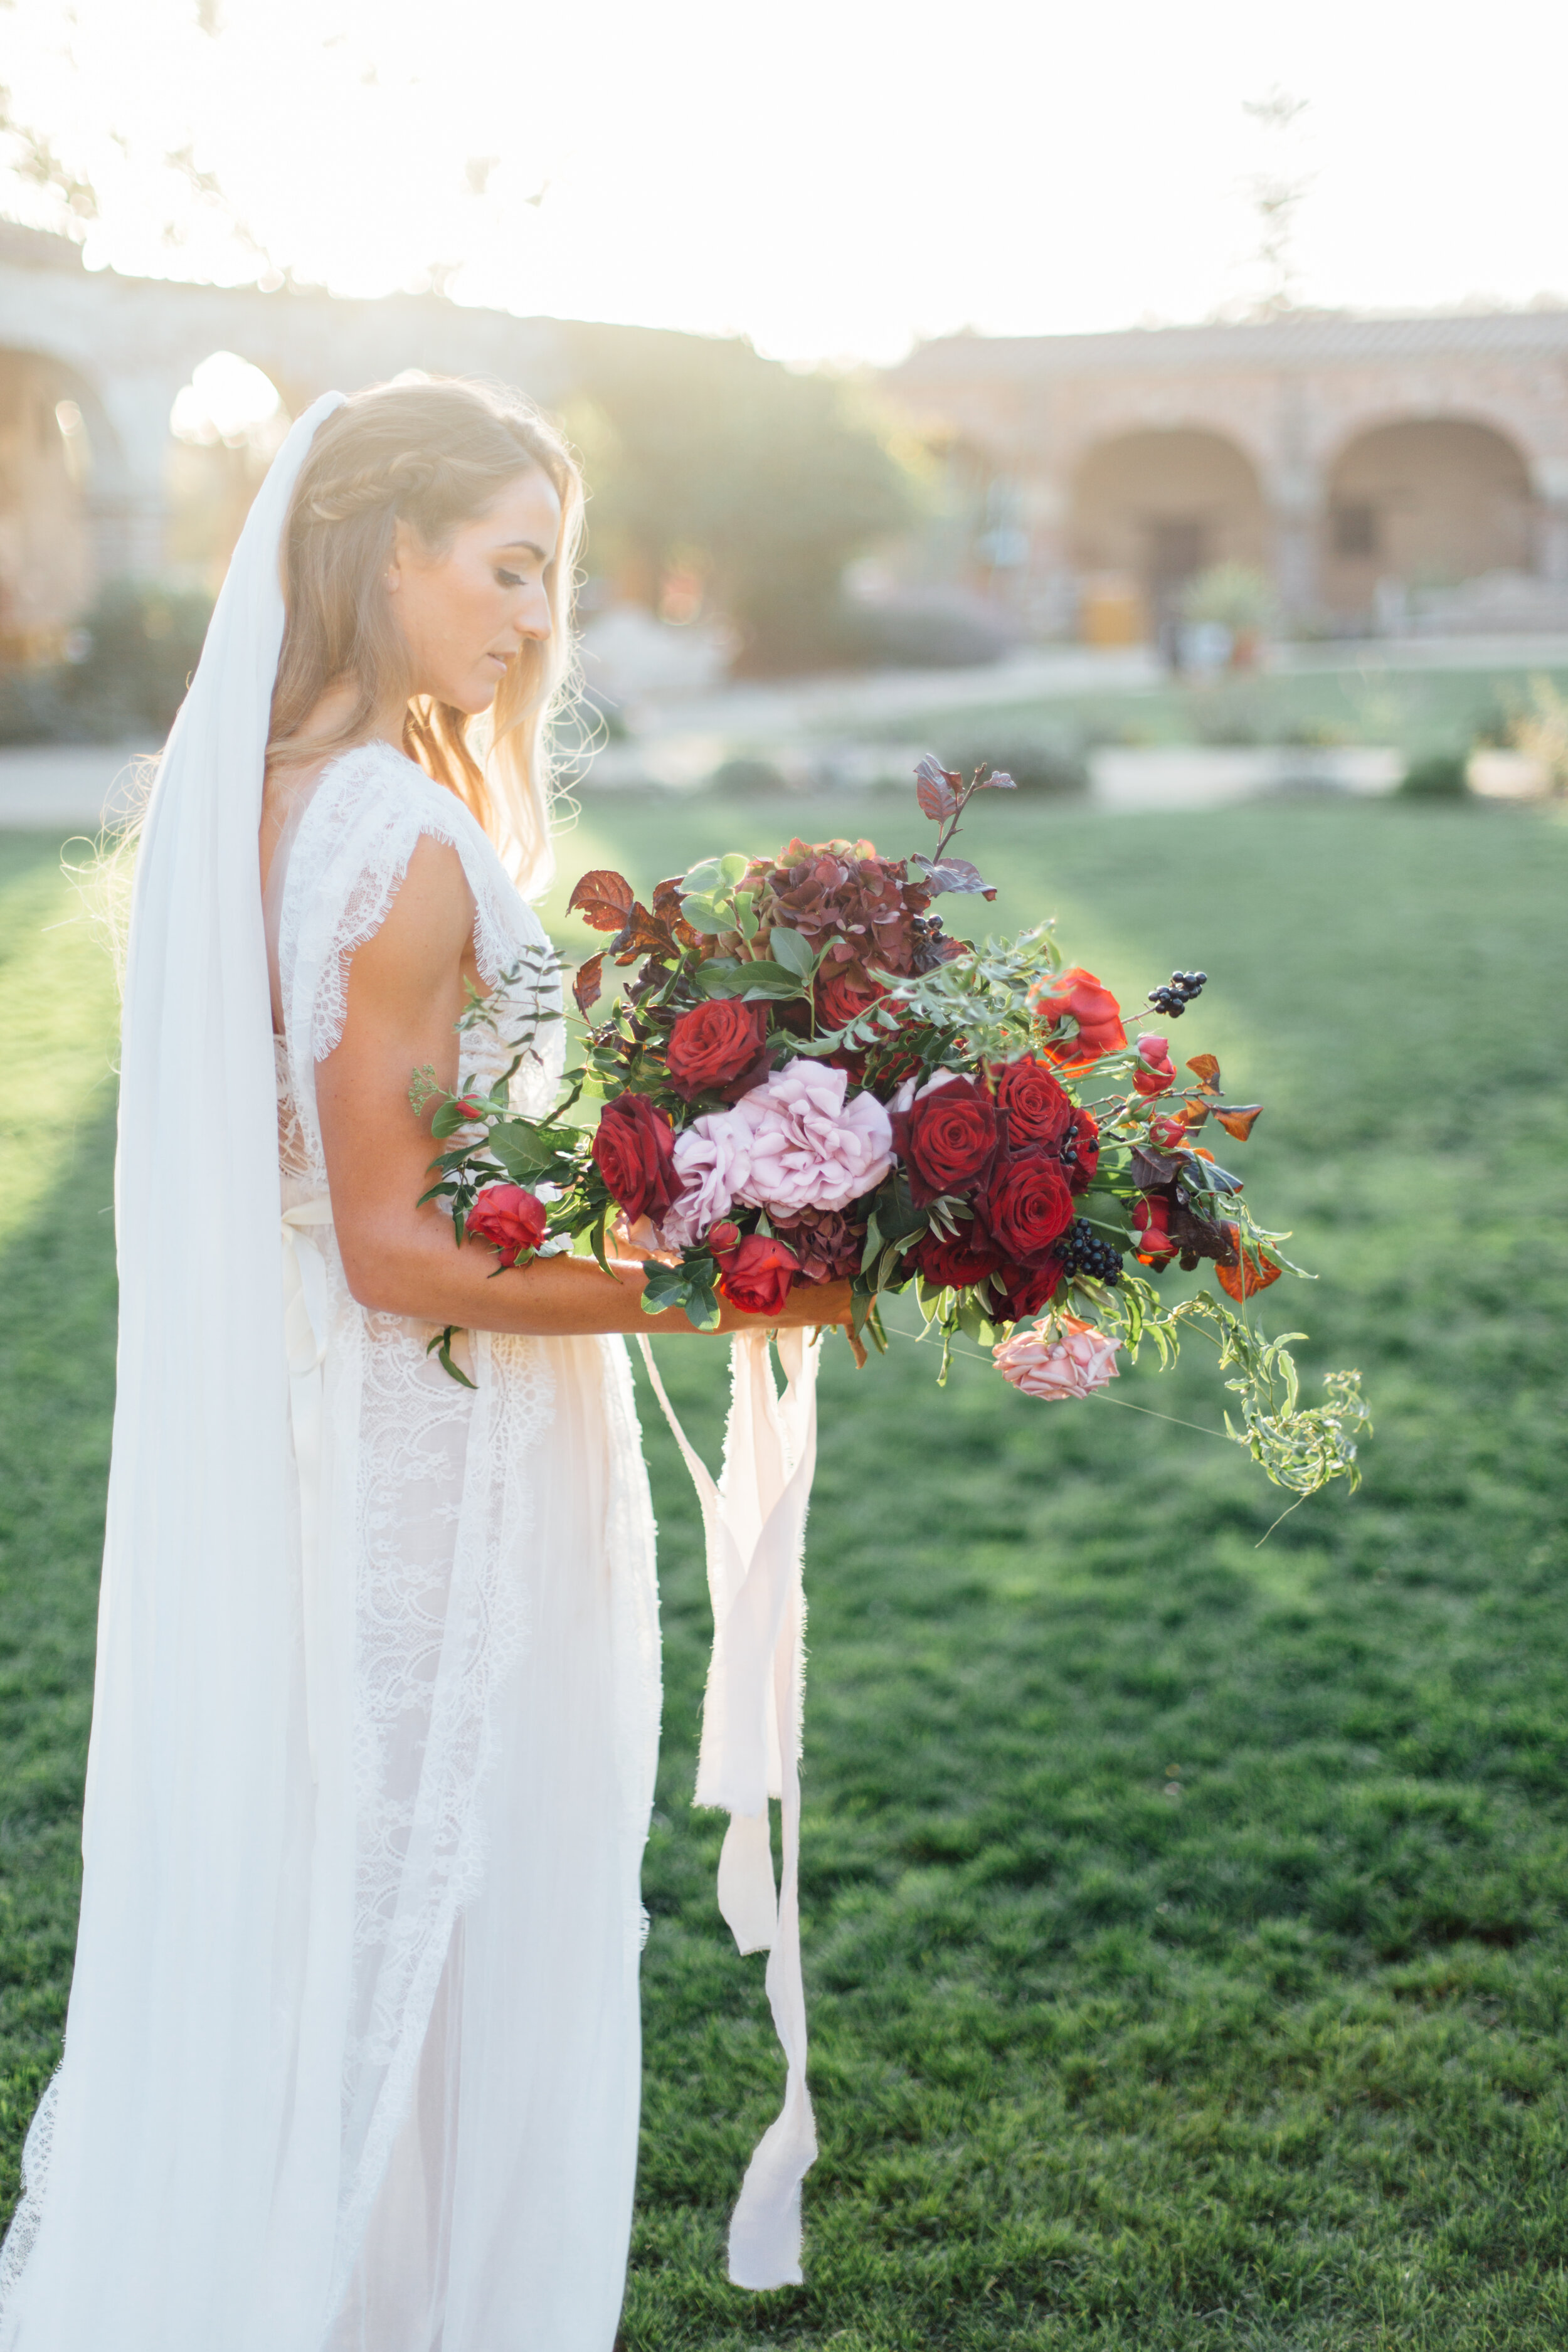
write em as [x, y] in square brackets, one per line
[352, 2059]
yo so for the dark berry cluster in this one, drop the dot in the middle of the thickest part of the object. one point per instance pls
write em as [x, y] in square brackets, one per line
[1083, 1251]
[1174, 1000]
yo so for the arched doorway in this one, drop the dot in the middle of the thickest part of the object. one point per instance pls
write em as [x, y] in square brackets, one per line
[1423, 504]
[225, 426]
[1151, 510]
[51, 444]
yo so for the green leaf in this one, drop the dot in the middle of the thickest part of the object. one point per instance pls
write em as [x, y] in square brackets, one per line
[704, 916]
[525, 1150]
[702, 1311]
[793, 952]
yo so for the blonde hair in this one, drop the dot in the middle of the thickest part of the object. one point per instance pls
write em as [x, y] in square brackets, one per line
[433, 456]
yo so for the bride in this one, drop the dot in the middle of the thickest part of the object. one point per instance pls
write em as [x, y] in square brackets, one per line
[351, 2058]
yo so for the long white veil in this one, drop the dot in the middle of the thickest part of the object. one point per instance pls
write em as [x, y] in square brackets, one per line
[187, 2119]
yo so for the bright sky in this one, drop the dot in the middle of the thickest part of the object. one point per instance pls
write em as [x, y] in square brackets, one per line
[832, 177]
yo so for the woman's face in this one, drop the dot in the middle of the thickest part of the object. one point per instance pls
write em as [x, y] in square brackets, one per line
[464, 614]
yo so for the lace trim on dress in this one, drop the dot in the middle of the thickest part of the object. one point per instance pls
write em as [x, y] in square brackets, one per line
[443, 1514]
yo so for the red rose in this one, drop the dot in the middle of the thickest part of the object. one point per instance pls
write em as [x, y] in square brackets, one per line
[946, 1139]
[843, 992]
[1155, 1073]
[1025, 1288]
[1037, 1109]
[1155, 1246]
[1028, 1206]
[713, 1044]
[508, 1216]
[959, 1264]
[1169, 1130]
[1080, 1151]
[756, 1275]
[633, 1149]
[1078, 993]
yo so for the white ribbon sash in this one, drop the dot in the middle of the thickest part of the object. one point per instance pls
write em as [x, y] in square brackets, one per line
[754, 1521]
[305, 1338]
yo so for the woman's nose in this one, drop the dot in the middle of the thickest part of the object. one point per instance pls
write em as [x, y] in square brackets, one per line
[532, 618]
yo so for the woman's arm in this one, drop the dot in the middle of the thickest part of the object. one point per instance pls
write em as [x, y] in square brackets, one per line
[405, 996]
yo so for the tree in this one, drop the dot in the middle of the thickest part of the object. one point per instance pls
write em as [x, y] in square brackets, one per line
[702, 455]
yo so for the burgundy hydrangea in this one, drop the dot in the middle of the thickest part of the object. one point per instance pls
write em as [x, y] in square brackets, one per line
[827, 1244]
[841, 893]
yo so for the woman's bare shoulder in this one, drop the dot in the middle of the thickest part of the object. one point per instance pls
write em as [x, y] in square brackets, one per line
[424, 934]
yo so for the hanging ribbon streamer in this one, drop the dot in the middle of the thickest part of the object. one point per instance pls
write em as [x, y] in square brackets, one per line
[754, 1521]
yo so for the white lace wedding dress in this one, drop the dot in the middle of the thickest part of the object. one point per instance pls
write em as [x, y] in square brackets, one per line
[486, 1557]
[464, 1776]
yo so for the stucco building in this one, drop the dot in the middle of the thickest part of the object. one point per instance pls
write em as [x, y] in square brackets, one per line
[1367, 466]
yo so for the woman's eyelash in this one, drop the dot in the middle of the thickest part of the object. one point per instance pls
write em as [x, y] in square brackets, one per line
[510, 579]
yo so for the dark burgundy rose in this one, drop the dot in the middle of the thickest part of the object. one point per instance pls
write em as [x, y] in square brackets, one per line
[508, 1216]
[843, 992]
[1080, 1151]
[946, 1139]
[755, 1276]
[633, 1149]
[1028, 1206]
[714, 1043]
[1035, 1106]
[959, 1264]
[1024, 1289]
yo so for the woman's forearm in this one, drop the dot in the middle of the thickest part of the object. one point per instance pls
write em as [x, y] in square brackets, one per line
[420, 1272]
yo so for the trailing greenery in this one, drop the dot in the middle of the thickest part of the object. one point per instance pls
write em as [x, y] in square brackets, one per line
[1185, 1922]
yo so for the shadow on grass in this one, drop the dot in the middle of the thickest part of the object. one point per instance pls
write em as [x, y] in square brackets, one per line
[56, 1392]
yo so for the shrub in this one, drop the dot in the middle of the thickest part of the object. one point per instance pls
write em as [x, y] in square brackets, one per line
[1036, 764]
[1439, 775]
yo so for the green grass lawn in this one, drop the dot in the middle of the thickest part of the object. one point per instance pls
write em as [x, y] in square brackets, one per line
[1276, 2060]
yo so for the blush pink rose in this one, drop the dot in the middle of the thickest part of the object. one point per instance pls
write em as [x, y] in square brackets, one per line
[812, 1144]
[712, 1160]
[1056, 1358]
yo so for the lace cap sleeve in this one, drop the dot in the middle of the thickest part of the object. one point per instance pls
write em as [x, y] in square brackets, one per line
[365, 817]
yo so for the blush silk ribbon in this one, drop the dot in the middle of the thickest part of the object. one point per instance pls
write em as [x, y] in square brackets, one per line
[755, 1522]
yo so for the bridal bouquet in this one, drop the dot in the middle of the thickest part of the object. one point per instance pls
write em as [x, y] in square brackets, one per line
[804, 1077]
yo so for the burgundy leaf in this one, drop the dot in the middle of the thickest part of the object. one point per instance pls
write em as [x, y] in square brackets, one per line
[588, 986]
[937, 790]
[643, 934]
[954, 874]
[604, 899]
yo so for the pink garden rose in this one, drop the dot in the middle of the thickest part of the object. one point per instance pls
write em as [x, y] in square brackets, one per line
[712, 1160]
[811, 1147]
[1056, 1358]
